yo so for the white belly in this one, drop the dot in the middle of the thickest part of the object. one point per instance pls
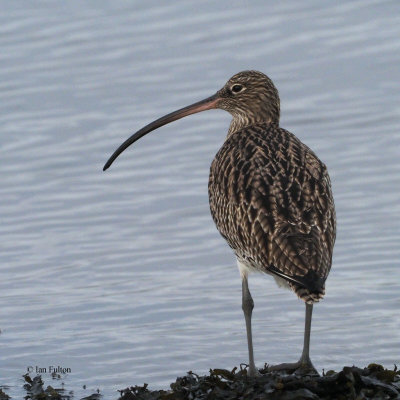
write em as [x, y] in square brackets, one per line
[245, 269]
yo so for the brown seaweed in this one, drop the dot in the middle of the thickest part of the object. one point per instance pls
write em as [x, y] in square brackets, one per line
[373, 382]
[35, 390]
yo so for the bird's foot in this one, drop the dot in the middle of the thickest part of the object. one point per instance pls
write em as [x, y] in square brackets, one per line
[301, 367]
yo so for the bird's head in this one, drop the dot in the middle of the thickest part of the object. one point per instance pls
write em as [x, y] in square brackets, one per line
[251, 97]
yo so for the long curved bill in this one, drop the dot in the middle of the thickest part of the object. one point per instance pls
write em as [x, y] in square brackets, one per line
[206, 104]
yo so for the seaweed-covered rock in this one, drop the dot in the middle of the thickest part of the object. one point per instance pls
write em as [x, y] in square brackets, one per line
[4, 396]
[373, 382]
[35, 390]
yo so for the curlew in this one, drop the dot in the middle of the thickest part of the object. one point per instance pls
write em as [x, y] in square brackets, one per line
[270, 198]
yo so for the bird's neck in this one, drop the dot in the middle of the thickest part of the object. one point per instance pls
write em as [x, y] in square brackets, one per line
[239, 122]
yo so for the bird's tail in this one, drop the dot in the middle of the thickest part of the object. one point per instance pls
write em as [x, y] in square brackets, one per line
[308, 296]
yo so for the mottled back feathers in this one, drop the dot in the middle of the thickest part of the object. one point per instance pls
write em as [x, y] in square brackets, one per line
[270, 197]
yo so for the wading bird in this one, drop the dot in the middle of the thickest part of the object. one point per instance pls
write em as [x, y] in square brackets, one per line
[270, 198]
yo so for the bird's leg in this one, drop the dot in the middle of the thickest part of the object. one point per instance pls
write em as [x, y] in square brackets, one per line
[305, 355]
[247, 306]
[304, 365]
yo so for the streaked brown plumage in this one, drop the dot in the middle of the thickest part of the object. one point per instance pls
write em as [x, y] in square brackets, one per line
[270, 196]
[271, 199]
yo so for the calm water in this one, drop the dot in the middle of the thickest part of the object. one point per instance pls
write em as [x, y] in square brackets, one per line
[122, 276]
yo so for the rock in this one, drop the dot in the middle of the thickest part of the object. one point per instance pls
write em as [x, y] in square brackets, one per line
[352, 383]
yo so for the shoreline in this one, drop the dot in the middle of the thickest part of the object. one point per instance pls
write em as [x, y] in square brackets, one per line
[371, 382]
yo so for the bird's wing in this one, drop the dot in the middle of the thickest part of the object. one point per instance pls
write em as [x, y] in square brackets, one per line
[271, 198]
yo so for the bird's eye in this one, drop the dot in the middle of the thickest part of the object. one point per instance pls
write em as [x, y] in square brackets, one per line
[237, 88]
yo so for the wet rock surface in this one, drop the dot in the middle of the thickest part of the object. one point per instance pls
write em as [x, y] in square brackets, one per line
[373, 382]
